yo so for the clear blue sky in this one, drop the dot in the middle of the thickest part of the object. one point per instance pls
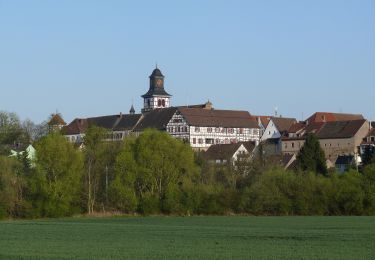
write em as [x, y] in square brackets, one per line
[91, 58]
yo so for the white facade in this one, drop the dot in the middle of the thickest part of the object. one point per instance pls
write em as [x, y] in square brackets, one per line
[202, 137]
[154, 102]
[271, 131]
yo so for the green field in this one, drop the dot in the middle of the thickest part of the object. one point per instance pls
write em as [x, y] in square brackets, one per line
[190, 237]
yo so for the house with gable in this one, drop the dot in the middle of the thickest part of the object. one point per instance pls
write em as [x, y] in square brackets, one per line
[277, 127]
[229, 153]
[336, 138]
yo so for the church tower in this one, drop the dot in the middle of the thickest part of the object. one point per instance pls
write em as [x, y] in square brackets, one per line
[156, 97]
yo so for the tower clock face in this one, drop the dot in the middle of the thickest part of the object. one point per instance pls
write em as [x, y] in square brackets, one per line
[159, 83]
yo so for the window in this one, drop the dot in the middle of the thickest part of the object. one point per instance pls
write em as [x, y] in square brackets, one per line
[209, 130]
[148, 103]
[209, 141]
[292, 145]
[197, 129]
[200, 141]
[269, 132]
[159, 102]
[194, 140]
[217, 129]
[217, 141]
[372, 139]
[230, 130]
[286, 145]
[241, 130]
[163, 103]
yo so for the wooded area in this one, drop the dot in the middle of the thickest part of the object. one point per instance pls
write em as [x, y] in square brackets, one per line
[157, 174]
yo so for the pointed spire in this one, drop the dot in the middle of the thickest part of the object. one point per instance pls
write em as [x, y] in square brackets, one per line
[132, 110]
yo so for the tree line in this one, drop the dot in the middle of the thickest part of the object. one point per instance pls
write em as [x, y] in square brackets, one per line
[154, 173]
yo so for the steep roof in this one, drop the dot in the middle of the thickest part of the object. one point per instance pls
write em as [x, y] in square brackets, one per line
[329, 117]
[226, 151]
[127, 122]
[218, 118]
[77, 126]
[282, 123]
[56, 119]
[340, 129]
[112, 122]
[157, 118]
[263, 119]
[296, 127]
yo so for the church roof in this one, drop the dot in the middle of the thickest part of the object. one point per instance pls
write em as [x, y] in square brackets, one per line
[157, 118]
[127, 122]
[156, 73]
[112, 122]
[156, 92]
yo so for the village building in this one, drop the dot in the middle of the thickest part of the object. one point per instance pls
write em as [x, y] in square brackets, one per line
[229, 153]
[336, 138]
[262, 122]
[55, 123]
[322, 117]
[369, 141]
[199, 125]
[276, 128]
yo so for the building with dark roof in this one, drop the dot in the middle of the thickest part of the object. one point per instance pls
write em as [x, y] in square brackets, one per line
[205, 127]
[229, 153]
[335, 137]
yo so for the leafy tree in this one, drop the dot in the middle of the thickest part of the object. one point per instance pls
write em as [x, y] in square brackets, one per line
[154, 167]
[11, 132]
[368, 184]
[11, 188]
[56, 182]
[368, 155]
[94, 153]
[311, 156]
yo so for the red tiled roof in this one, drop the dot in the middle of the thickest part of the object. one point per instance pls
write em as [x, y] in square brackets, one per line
[296, 127]
[330, 117]
[56, 119]
[283, 123]
[263, 119]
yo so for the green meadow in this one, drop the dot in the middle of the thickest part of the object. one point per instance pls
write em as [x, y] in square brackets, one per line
[189, 238]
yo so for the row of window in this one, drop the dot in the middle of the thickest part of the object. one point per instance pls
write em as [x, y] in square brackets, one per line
[224, 130]
[214, 141]
[299, 145]
[161, 102]
[177, 129]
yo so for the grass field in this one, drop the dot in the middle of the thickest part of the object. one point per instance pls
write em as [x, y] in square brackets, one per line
[190, 237]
